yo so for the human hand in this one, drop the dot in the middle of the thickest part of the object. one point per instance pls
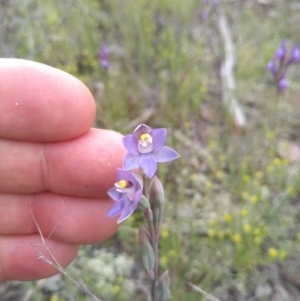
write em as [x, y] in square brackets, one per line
[54, 169]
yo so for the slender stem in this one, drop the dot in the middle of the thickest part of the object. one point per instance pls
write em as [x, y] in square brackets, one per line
[203, 292]
[154, 243]
[51, 260]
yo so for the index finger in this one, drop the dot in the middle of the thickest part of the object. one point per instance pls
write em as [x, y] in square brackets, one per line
[41, 103]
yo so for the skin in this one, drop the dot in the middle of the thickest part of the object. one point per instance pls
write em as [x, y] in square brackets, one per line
[55, 169]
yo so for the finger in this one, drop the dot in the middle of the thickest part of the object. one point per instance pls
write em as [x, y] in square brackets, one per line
[41, 103]
[63, 218]
[25, 257]
[77, 221]
[85, 166]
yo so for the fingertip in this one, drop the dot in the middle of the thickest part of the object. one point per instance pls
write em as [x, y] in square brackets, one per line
[42, 103]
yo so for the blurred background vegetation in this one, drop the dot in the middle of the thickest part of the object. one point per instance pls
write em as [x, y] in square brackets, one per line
[232, 224]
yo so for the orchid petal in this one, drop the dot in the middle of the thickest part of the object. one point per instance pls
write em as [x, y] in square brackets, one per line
[114, 194]
[138, 183]
[159, 137]
[124, 175]
[141, 129]
[166, 154]
[131, 143]
[117, 208]
[148, 165]
[131, 162]
[127, 211]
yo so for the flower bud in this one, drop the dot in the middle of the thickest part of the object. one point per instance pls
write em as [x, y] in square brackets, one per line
[143, 203]
[163, 288]
[156, 199]
[146, 251]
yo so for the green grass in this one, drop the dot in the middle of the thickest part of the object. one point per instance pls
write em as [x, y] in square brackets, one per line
[231, 208]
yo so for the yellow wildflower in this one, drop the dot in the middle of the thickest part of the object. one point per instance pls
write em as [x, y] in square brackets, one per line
[236, 238]
[228, 218]
[273, 252]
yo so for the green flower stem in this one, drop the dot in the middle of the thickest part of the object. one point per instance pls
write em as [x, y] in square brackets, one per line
[154, 243]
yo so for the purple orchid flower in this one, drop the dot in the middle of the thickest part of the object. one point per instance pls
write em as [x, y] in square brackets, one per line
[146, 147]
[126, 193]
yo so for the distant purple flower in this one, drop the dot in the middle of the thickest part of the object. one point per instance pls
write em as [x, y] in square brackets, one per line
[282, 84]
[146, 148]
[126, 193]
[281, 51]
[272, 67]
[295, 55]
[203, 15]
[211, 2]
[209, 7]
[104, 56]
[281, 62]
